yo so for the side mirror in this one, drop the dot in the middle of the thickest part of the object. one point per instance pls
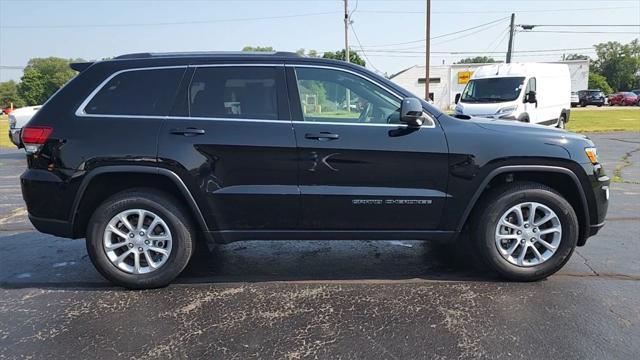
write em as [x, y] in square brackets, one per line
[458, 96]
[531, 97]
[411, 112]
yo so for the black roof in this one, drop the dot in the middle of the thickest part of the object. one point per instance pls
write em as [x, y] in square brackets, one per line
[208, 54]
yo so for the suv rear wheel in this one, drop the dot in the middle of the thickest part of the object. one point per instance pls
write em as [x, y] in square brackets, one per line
[525, 231]
[139, 239]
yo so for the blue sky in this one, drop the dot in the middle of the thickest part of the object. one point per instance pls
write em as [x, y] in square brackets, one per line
[97, 29]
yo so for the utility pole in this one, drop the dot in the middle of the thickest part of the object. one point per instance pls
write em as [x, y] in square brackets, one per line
[346, 48]
[512, 31]
[427, 51]
[346, 30]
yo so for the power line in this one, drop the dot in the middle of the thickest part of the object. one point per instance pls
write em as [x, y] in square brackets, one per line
[496, 11]
[480, 52]
[440, 36]
[581, 25]
[71, 26]
[577, 32]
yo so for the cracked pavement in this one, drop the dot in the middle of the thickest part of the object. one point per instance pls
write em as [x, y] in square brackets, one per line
[323, 299]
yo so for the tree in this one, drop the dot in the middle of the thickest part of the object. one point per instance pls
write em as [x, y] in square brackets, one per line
[477, 60]
[9, 94]
[309, 53]
[619, 64]
[258, 48]
[340, 55]
[576, 57]
[42, 77]
[597, 81]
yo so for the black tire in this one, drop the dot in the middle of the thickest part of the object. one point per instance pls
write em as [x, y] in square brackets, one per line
[583, 104]
[562, 121]
[176, 218]
[498, 201]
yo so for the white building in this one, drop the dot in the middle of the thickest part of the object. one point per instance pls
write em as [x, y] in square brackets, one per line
[445, 81]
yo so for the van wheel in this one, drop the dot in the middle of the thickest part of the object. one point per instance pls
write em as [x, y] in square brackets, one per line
[525, 231]
[562, 122]
[139, 239]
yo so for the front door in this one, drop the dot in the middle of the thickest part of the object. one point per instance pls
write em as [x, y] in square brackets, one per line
[230, 139]
[531, 107]
[360, 169]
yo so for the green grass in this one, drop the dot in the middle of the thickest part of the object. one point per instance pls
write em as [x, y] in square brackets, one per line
[4, 132]
[604, 120]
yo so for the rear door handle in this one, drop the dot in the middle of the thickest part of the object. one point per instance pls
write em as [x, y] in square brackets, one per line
[188, 131]
[323, 136]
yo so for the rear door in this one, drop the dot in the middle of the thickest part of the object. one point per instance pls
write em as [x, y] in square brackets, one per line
[360, 169]
[231, 140]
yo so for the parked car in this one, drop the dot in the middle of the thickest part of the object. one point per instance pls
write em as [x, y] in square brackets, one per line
[591, 97]
[6, 111]
[623, 98]
[18, 118]
[147, 155]
[530, 92]
[575, 99]
[637, 92]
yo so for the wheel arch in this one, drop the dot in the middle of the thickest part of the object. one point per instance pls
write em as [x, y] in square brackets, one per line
[103, 182]
[561, 179]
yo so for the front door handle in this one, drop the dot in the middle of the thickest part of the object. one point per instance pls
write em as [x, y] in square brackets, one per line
[323, 136]
[188, 131]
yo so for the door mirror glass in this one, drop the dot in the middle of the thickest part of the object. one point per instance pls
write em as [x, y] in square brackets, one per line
[531, 97]
[411, 112]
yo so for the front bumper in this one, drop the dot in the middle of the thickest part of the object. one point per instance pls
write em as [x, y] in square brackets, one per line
[14, 136]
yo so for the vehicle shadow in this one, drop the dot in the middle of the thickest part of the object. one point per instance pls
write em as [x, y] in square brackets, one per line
[60, 263]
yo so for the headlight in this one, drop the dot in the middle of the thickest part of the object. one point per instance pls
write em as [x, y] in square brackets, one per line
[592, 154]
[506, 110]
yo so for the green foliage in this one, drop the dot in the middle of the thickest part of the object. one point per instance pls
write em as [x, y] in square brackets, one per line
[43, 77]
[310, 53]
[597, 81]
[477, 60]
[619, 63]
[258, 48]
[9, 95]
[341, 55]
[576, 57]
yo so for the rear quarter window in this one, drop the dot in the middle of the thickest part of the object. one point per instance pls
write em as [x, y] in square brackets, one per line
[137, 92]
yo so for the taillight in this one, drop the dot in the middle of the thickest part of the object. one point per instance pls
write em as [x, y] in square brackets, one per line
[34, 136]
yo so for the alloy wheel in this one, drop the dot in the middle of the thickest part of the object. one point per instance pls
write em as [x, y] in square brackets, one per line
[137, 241]
[528, 234]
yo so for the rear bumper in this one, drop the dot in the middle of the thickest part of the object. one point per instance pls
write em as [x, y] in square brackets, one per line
[51, 226]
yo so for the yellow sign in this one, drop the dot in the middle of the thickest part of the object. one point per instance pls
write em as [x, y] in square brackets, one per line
[464, 76]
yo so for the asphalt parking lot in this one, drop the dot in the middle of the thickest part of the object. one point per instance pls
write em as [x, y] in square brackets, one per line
[322, 299]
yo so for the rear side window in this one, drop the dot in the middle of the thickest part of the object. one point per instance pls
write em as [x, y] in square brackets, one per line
[234, 92]
[137, 92]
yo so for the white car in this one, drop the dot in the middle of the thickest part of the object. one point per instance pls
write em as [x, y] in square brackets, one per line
[18, 118]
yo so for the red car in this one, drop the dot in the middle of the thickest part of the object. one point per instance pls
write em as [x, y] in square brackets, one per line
[623, 98]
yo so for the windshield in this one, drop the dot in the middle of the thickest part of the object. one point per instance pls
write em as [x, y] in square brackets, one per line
[492, 89]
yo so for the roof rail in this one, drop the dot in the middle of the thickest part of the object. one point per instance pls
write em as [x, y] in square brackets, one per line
[147, 55]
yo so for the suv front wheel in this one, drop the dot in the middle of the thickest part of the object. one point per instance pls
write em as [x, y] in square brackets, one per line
[525, 231]
[139, 239]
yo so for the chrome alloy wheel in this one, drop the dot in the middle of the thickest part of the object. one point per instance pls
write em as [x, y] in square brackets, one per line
[528, 234]
[137, 241]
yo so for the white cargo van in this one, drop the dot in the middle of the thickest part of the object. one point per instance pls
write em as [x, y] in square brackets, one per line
[530, 92]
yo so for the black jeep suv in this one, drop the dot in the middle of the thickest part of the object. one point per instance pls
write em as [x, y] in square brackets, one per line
[591, 97]
[146, 155]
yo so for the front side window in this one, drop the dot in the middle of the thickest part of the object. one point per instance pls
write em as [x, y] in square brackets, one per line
[336, 96]
[137, 92]
[492, 89]
[234, 92]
